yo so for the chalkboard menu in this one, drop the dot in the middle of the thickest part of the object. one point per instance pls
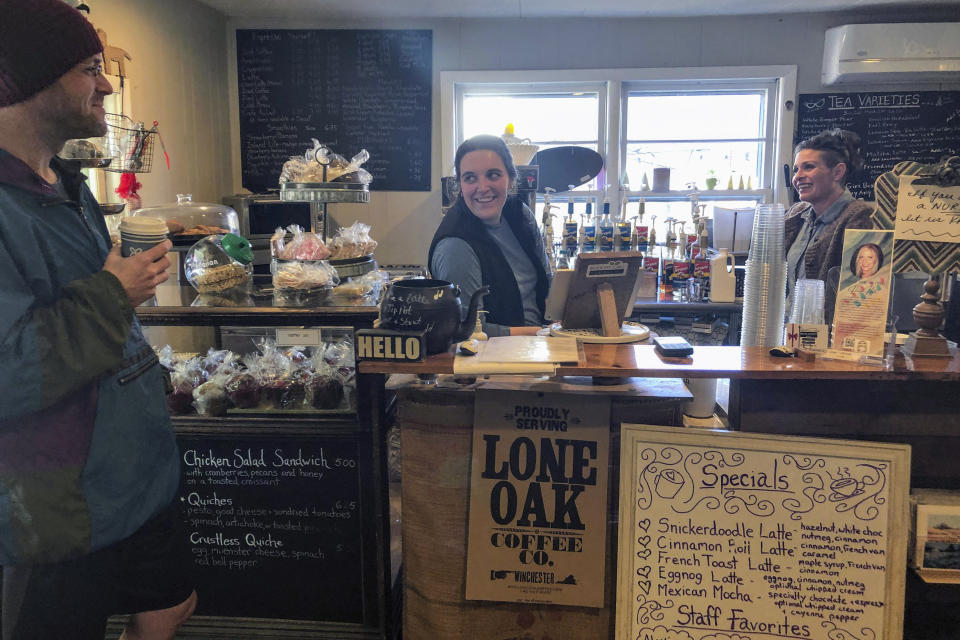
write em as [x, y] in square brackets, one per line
[729, 535]
[351, 89]
[893, 126]
[274, 526]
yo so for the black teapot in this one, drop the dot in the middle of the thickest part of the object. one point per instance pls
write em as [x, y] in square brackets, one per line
[431, 305]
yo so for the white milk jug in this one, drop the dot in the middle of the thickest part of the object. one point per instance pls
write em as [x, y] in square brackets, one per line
[723, 278]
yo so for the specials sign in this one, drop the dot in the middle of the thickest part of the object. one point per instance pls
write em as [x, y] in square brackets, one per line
[538, 498]
[736, 536]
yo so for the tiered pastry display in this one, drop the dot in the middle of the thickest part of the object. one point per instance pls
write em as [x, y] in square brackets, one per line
[299, 265]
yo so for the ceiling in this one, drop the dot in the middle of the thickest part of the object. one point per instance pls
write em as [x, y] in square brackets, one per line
[352, 9]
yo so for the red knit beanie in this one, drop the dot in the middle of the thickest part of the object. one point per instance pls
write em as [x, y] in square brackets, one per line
[40, 40]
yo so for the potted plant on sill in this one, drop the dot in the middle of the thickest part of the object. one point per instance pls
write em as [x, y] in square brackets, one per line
[711, 180]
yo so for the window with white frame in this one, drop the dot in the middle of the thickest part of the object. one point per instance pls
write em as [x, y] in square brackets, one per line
[717, 139]
[726, 124]
[698, 134]
[548, 115]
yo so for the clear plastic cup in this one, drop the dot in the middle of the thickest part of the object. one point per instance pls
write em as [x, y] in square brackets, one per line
[807, 304]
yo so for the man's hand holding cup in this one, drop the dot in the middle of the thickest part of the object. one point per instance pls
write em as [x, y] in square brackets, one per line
[140, 263]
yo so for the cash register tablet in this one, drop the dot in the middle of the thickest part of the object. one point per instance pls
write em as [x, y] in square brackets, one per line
[576, 294]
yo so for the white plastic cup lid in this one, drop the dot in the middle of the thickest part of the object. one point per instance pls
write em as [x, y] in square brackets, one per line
[143, 226]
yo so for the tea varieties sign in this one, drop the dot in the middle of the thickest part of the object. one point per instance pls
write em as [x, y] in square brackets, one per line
[746, 536]
[538, 498]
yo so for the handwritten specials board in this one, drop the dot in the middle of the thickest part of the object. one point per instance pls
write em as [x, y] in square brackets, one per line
[274, 526]
[893, 126]
[351, 89]
[736, 536]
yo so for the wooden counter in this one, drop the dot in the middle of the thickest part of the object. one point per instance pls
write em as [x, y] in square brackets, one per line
[916, 403]
[743, 363]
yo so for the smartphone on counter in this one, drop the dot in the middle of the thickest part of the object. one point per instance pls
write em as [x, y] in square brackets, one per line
[672, 346]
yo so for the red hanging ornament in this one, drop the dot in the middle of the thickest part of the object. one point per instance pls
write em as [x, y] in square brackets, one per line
[128, 190]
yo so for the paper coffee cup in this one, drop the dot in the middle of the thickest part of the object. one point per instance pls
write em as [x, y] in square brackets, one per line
[137, 234]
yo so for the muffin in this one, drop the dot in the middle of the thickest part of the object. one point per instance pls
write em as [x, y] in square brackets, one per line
[326, 392]
[243, 390]
[180, 398]
[210, 399]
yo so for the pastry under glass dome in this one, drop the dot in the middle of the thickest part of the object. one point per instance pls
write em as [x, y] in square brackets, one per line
[188, 221]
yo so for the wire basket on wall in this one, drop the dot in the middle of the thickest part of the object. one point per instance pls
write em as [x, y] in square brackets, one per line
[129, 143]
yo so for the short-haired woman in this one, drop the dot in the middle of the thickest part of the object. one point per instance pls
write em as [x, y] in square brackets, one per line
[813, 228]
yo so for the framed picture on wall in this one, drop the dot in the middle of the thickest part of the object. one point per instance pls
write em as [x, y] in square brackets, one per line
[937, 553]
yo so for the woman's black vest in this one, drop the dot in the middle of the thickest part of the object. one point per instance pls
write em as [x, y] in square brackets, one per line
[503, 303]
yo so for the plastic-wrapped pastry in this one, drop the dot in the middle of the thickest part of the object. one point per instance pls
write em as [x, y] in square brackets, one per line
[326, 391]
[352, 242]
[303, 274]
[219, 359]
[185, 376]
[287, 393]
[304, 245]
[243, 389]
[180, 398]
[321, 164]
[210, 399]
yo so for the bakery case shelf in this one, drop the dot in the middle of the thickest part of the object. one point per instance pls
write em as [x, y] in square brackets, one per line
[300, 494]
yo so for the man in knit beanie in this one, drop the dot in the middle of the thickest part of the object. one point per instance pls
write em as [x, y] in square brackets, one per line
[51, 82]
[89, 466]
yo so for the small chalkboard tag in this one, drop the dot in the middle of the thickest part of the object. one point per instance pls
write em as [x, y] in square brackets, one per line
[388, 344]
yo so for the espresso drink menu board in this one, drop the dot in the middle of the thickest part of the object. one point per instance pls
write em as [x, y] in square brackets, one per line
[893, 126]
[274, 525]
[729, 536]
[351, 89]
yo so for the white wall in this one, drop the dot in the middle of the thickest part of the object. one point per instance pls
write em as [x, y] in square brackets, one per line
[404, 222]
[177, 77]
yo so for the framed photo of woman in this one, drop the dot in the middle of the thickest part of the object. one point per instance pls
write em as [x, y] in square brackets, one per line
[863, 295]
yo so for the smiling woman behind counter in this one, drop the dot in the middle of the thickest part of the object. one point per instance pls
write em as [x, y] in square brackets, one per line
[813, 228]
[489, 237]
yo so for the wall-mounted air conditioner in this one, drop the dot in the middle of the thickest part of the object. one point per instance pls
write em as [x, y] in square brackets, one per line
[899, 52]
